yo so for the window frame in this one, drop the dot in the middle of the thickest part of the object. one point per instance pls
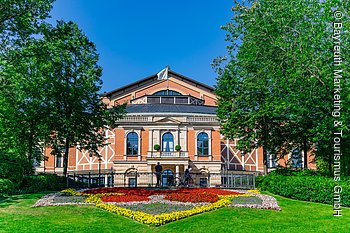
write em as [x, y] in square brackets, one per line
[173, 142]
[208, 140]
[132, 148]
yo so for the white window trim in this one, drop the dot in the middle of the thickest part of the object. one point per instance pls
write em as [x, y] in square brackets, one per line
[161, 139]
[138, 132]
[61, 161]
[208, 132]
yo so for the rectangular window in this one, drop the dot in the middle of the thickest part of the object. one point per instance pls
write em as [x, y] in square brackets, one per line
[153, 100]
[59, 161]
[132, 182]
[271, 161]
[181, 100]
[203, 182]
[167, 100]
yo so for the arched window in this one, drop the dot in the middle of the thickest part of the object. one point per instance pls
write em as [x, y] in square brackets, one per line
[167, 92]
[168, 142]
[132, 143]
[202, 144]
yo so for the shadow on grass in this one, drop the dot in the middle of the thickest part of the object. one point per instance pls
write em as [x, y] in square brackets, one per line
[6, 201]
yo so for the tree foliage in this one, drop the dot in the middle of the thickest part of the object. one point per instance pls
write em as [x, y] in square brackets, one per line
[20, 99]
[50, 83]
[276, 87]
[77, 116]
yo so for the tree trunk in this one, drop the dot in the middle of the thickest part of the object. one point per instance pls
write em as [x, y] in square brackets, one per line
[265, 144]
[305, 152]
[65, 157]
[30, 143]
[30, 149]
[265, 160]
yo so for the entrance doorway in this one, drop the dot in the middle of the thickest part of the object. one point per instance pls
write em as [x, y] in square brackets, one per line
[168, 178]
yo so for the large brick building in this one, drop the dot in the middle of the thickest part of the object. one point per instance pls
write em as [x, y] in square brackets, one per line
[176, 112]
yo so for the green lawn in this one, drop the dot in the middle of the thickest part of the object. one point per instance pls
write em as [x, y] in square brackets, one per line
[16, 215]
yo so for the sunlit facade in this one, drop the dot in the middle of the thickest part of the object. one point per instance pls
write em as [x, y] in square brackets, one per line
[172, 121]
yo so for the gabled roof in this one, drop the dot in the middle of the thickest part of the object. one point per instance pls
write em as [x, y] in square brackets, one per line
[153, 78]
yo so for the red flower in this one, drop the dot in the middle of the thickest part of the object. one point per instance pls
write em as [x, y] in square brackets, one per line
[192, 197]
[124, 198]
[181, 194]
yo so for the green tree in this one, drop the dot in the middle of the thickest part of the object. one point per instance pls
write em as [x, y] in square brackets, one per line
[77, 115]
[275, 90]
[20, 21]
[25, 104]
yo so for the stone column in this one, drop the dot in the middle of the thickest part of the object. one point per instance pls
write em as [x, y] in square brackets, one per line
[149, 171]
[106, 180]
[177, 171]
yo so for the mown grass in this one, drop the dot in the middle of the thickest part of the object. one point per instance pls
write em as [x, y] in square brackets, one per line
[17, 215]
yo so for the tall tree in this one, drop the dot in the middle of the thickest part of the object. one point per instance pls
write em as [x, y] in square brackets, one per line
[78, 117]
[20, 21]
[276, 88]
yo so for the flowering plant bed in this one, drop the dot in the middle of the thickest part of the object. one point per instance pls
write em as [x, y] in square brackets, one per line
[124, 198]
[192, 197]
[158, 207]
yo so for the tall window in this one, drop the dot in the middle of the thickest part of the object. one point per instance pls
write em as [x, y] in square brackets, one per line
[168, 142]
[202, 144]
[59, 161]
[297, 159]
[272, 159]
[132, 142]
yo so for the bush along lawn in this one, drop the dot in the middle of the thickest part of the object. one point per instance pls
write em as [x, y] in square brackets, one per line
[303, 185]
[158, 207]
[33, 184]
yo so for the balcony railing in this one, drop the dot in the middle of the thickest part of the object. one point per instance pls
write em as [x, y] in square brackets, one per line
[202, 119]
[167, 154]
[138, 119]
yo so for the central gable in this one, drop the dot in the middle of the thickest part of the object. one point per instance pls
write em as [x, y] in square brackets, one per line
[135, 92]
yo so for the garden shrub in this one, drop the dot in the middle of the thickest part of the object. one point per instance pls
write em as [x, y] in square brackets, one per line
[11, 167]
[42, 182]
[6, 186]
[304, 185]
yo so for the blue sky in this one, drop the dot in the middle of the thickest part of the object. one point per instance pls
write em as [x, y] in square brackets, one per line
[138, 38]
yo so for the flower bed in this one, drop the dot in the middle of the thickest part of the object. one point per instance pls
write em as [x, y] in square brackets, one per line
[124, 198]
[158, 207]
[192, 197]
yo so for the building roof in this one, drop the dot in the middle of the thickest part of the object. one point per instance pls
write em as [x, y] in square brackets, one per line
[153, 78]
[171, 108]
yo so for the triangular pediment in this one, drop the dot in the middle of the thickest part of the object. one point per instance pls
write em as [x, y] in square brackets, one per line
[167, 120]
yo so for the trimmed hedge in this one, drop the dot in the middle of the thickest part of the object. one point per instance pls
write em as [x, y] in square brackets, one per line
[305, 186]
[42, 182]
[6, 186]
